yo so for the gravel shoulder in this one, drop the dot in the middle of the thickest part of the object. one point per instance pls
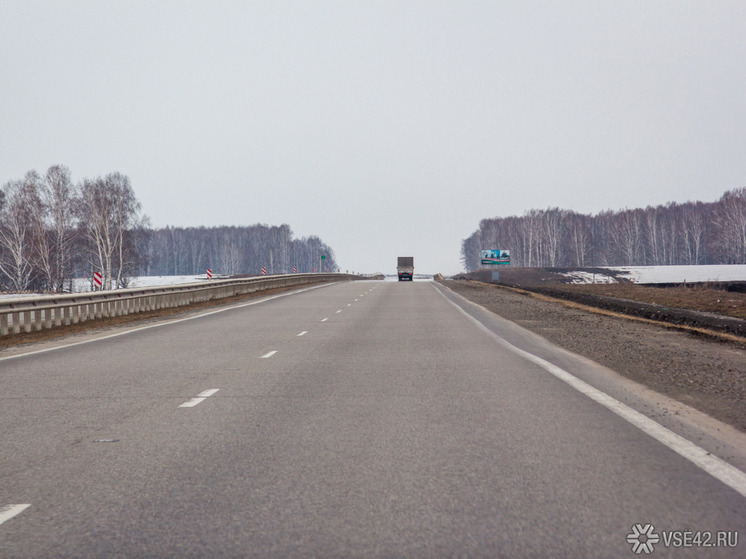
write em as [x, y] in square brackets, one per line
[702, 373]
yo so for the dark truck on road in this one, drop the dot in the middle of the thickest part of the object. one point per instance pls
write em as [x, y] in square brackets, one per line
[405, 268]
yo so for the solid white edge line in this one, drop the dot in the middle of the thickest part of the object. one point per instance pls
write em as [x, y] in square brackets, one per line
[268, 354]
[716, 467]
[9, 511]
[166, 323]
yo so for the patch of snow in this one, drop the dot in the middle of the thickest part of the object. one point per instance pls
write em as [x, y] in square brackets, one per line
[681, 274]
[154, 281]
[16, 295]
[588, 277]
[662, 274]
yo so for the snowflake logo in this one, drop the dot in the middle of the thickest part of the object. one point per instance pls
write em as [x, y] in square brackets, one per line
[643, 538]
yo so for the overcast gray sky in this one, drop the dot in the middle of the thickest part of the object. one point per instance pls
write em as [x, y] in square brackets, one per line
[384, 127]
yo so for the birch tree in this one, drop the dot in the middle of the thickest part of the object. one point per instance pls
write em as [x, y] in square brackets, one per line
[579, 234]
[58, 198]
[108, 213]
[694, 226]
[729, 224]
[16, 232]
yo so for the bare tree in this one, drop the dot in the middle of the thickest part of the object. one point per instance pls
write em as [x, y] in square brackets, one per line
[16, 232]
[470, 255]
[694, 227]
[670, 234]
[230, 253]
[579, 233]
[729, 224]
[58, 196]
[108, 212]
[552, 236]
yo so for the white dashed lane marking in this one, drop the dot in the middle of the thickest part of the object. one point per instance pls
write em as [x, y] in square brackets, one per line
[9, 511]
[200, 398]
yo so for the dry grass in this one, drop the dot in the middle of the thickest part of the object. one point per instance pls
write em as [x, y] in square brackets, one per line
[699, 298]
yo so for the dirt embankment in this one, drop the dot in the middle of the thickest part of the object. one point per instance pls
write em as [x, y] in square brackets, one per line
[714, 307]
[677, 314]
[708, 375]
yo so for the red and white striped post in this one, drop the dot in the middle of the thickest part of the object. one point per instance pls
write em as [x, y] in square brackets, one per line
[97, 280]
[295, 269]
[264, 271]
[209, 273]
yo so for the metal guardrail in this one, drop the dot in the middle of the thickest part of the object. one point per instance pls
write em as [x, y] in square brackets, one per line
[49, 311]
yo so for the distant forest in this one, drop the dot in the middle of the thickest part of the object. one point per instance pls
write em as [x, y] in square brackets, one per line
[231, 250]
[53, 230]
[688, 233]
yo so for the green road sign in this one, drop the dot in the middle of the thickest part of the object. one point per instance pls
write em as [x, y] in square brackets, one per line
[495, 257]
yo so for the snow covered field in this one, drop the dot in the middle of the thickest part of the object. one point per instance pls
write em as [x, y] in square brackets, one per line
[85, 285]
[154, 281]
[665, 274]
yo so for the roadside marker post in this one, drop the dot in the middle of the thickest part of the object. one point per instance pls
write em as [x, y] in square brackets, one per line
[209, 273]
[97, 280]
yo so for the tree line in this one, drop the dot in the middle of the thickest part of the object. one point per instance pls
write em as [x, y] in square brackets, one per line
[233, 250]
[53, 231]
[674, 233]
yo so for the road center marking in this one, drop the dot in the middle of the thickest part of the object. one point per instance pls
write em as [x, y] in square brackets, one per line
[268, 354]
[9, 511]
[324, 319]
[303, 333]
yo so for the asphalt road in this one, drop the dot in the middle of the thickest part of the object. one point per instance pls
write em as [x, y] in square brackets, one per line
[366, 419]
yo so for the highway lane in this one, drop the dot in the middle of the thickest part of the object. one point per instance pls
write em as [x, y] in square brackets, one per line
[364, 419]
